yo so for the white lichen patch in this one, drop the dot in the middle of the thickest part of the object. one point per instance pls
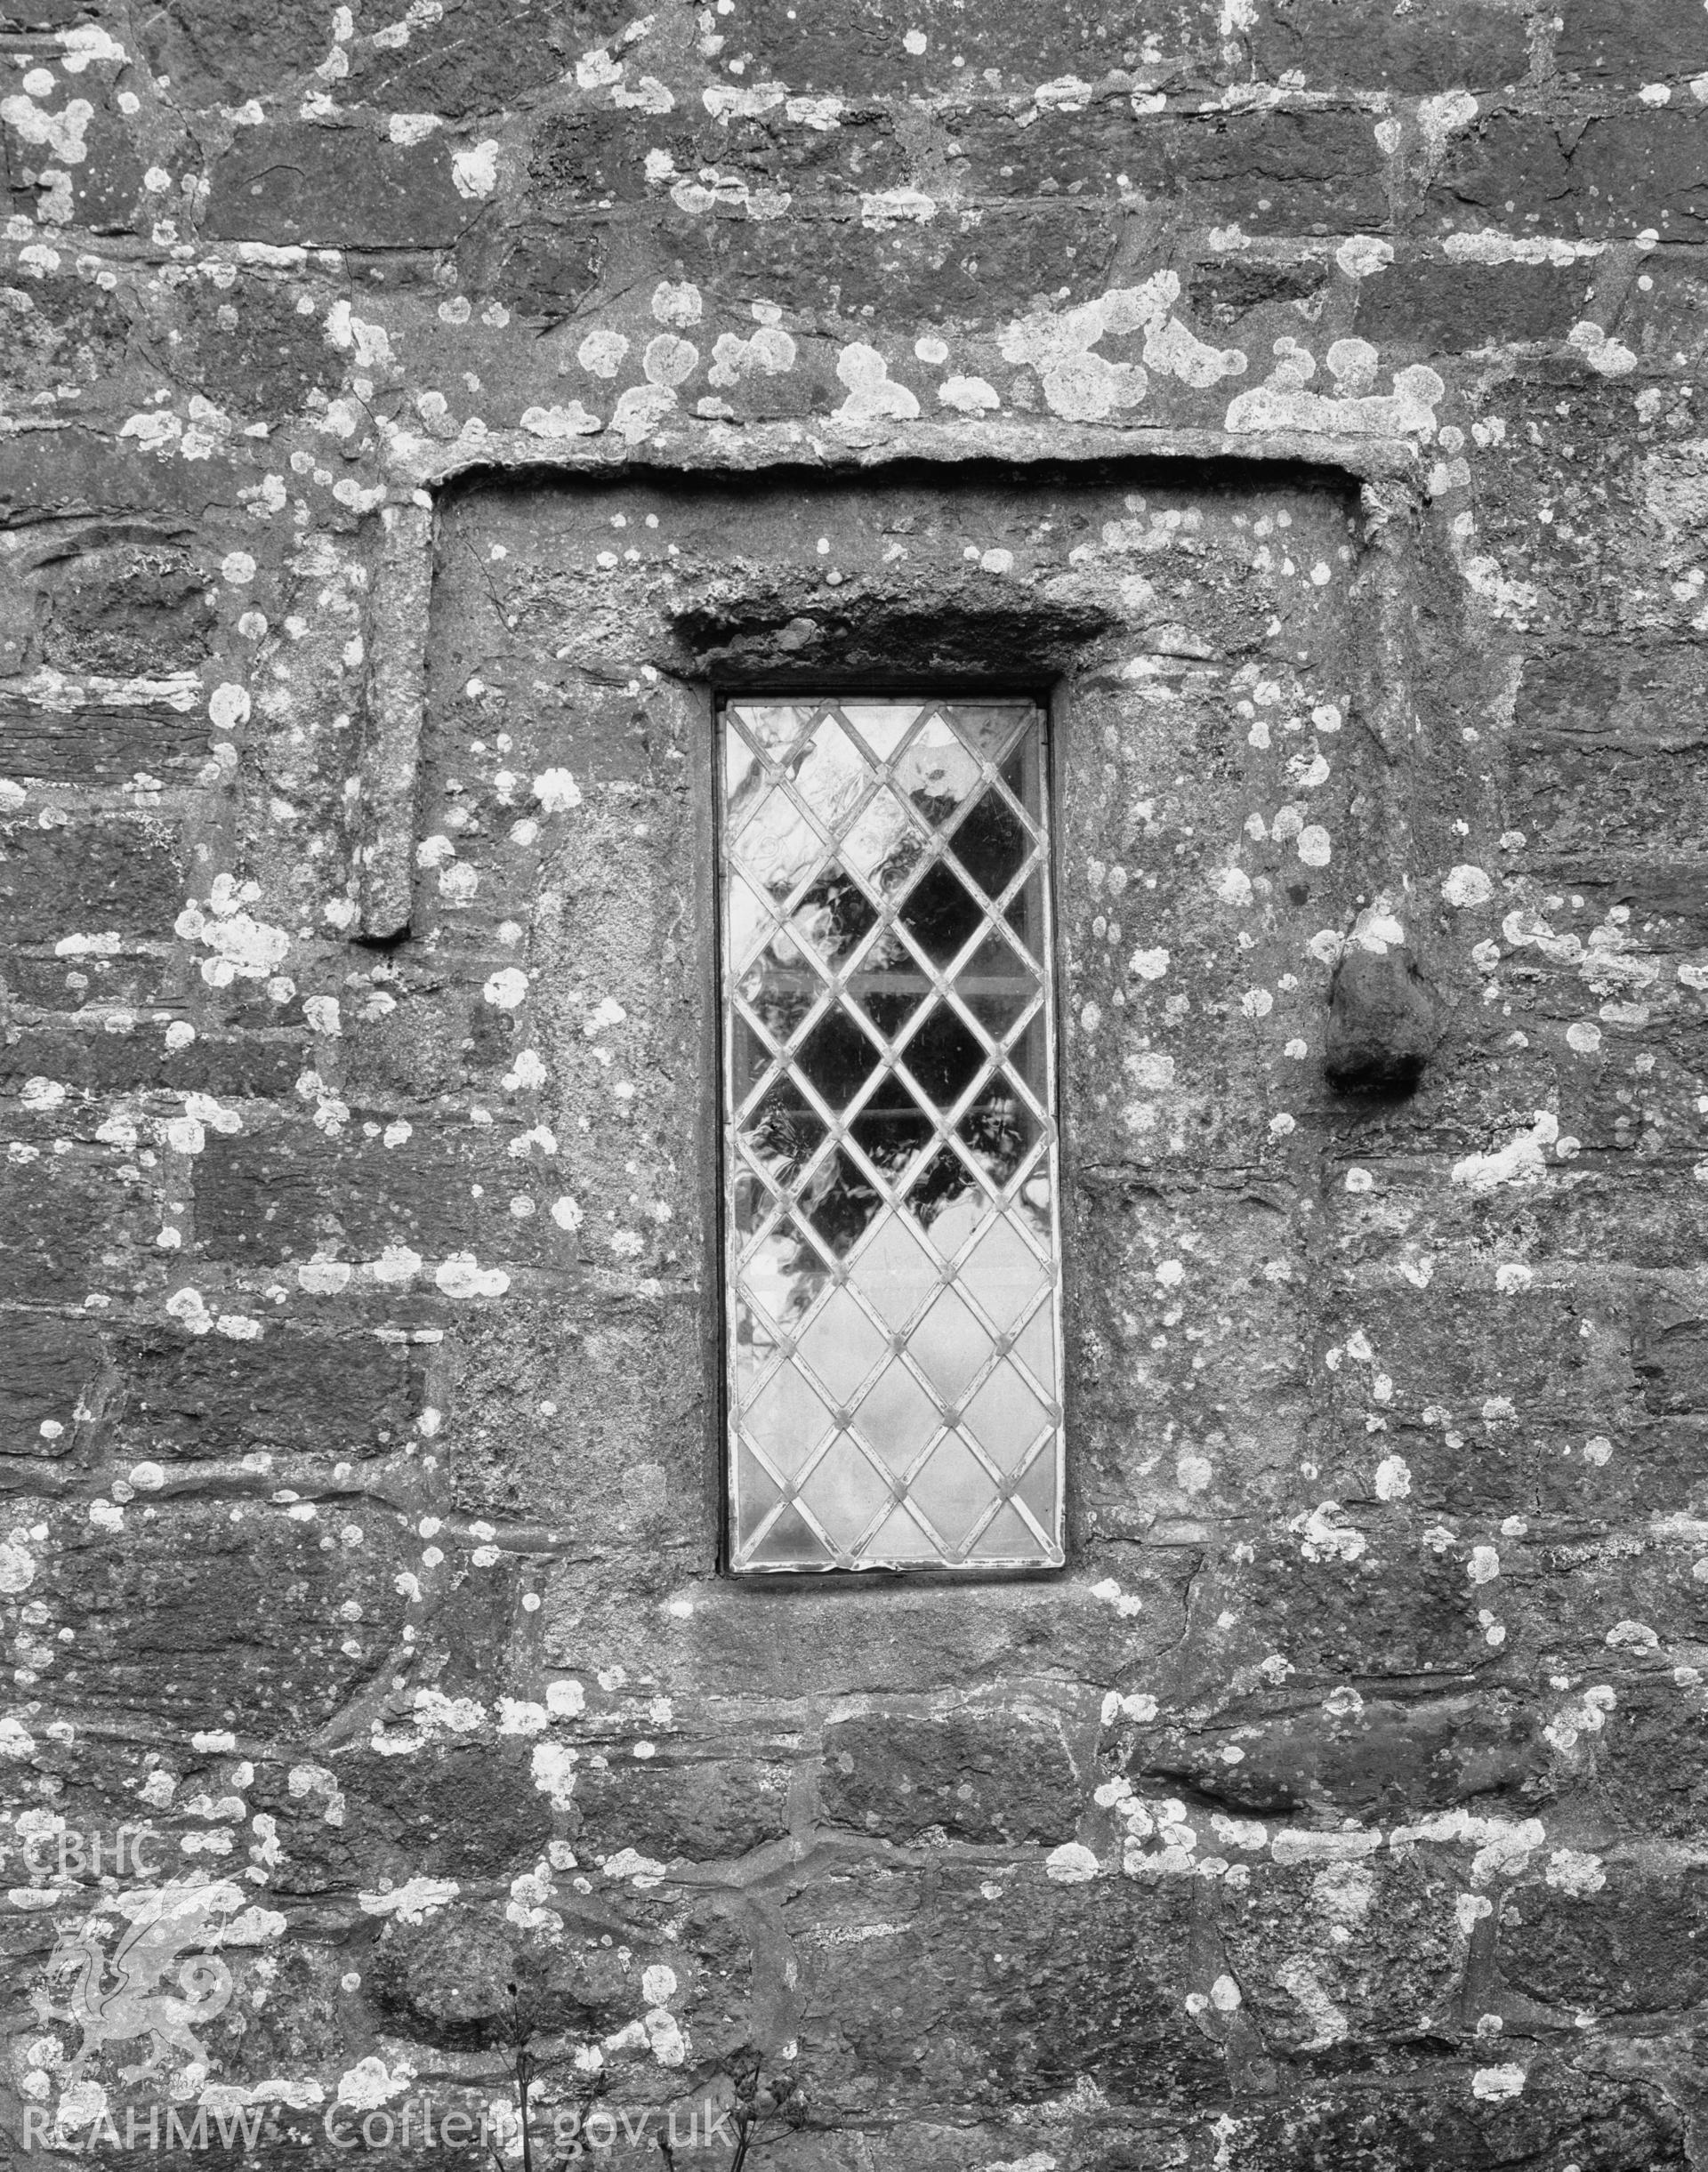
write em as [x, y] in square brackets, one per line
[873, 395]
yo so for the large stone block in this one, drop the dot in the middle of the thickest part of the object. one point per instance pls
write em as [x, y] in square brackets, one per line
[60, 326]
[122, 877]
[459, 1980]
[1615, 176]
[1377, 1758]
[1609, 45]
[225, 52]
[1643, 1775]
[217, 1615]
[1443, 45]
[339, 187]
[1442, 308]
[99, 1063]
[586, 154]
[682, 1802]
[1672, 1356]
[985, 1776]
[1337, 1952]
[725, 1640]
[51, 475]
[1436, 2120]
[1607, 1938]
[486, 56]
[286, 1193]
[911, 47]
[53, 1367]
[271, 361]
[67, 1231]
[441, 1809]
[99, 745]
[1272, 171]
[195, 1397]
[1097, 1971]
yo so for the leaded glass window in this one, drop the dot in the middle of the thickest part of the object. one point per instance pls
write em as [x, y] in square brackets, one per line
[892, 1284]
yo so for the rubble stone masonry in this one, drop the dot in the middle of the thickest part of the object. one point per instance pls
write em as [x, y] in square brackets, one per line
[410, 416]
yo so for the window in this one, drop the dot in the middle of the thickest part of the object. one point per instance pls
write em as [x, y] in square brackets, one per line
[892, 1309]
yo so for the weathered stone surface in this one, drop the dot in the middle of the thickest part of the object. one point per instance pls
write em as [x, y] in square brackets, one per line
[225, 54]
[1628, 47]
[98, 1062]
[1620, 1942]
[1089, 1972]
[1448, 308]
[1442, 45]
[207, 1618]
[872, 49]
[68, 1229]
[1375, 1758]
[52, 1366]
[979, 1777]
[1614, 176]
[268, 362]
[1323, 166]
[58, 327]
[200, 1395]
[335, 186]
[409, 418]
[684, 1806]
[122, 877]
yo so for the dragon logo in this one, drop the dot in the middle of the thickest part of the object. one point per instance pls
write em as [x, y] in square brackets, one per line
[116, 1999]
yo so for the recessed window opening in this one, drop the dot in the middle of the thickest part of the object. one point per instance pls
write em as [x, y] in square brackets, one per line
[892, 1305]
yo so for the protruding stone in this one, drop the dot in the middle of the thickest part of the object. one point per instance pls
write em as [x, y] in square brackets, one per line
[1383, 1023]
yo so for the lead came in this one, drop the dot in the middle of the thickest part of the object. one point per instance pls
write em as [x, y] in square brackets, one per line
[892, 1283]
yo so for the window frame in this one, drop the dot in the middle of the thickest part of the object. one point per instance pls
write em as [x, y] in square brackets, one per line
[791, 687]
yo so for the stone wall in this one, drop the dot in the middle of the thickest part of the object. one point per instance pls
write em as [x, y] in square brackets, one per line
[405, 422]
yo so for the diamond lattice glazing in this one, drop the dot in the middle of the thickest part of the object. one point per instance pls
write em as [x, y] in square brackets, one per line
[893, 1307]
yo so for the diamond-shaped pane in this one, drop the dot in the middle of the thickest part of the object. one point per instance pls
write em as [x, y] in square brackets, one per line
[1003, 1274]
[789, 1543]
[943, 914]
[991, 844]
[833, 780]
[1008, 1537]
[896, 1273]
[897, 1418]
[753, 1348]
[839, 1202]
[1035, 1348]
[999, 1131]
[781, 1271]
[782, 1133]
[1040, 1488]
[954, 1489]
[899, 1542]
[841, 1345]
[944, 1055]
[837, 1058]
[1005, 1417]
[890, 1161]
[950, 1348]
[940, 1179]
[830, 918]
[844, 1493]
[884, 840]
[787, 1419]
[890, 999]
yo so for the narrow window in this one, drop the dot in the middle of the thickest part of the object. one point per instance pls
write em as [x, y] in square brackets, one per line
[892, 1288]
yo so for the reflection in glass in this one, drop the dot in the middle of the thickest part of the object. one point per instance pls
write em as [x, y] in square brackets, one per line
[893, 1295]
